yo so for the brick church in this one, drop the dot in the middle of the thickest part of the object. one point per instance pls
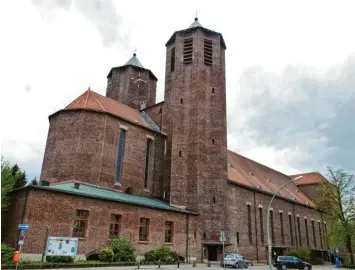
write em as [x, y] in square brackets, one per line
[160, 173]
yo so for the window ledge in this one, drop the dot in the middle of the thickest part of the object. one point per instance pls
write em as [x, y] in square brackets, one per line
[118, 184]
[146, 190]
[81, 238]
[171, 244]
[144, 242]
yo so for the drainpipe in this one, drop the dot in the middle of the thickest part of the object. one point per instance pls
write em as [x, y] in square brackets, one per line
[187, 237]
[294, 221]
[256, 231]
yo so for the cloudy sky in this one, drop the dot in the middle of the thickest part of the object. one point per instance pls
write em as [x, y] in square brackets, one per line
[290, 70]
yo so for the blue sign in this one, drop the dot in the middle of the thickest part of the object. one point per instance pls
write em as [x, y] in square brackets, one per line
[24, 226]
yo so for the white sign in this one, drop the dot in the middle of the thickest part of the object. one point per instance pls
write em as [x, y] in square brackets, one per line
[20, 242]
[62, 246]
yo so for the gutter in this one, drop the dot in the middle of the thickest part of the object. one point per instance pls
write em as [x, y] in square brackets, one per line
[107, 199]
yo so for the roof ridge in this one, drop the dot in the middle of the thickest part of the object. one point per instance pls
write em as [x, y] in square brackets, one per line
[86, 99]
[93, 94]
[76, 99]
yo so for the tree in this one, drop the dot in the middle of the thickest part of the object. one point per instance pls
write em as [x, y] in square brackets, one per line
[11, 178]
[336, 199]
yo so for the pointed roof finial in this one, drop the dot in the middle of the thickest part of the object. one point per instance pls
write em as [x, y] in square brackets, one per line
[134, 60]
[195, 23]
[89, 88]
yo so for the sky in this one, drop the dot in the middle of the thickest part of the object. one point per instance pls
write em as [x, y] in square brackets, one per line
[290, 70]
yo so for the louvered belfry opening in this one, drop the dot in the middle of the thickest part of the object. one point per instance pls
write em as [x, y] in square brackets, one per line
[207, 51]
[188, 50]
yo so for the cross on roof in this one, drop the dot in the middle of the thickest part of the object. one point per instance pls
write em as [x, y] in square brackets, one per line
[196, 14]
[135, 51]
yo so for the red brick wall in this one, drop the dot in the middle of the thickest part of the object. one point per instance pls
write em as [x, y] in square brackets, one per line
[83, 145]
[58, 210]
[201, 171]
[124, 87]
[156, 114]
[237, 200]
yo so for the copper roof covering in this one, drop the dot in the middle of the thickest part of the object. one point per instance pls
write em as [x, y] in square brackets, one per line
[310, 178]
[247, 172]
[91, 100]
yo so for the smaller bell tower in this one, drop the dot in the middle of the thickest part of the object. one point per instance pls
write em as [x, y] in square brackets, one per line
[132, 84]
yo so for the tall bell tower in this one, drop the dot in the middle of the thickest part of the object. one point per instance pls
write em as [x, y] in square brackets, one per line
[195, 120]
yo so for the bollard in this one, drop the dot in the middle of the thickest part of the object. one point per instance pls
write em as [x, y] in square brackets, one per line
[139, 264]
[193, 263]
[16, 256]
[178, 263]
[159, 264]
[208, 264]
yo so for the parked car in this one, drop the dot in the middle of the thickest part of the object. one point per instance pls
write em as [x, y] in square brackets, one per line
[235, 261]
[291, 262]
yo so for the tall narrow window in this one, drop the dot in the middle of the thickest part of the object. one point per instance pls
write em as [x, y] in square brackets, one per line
[325, 233]
[237, 238]
[120, 155]
[207, 51]
[147, 157]
[320, 235]
[188, 48]
[169, 229]
[214, 200]
[204, 236]
[80, 223]
[299, 230]
[261, 225]
[115, 225]
[291, 230]
[272, 226]
[307, 236]
[249, 224]
[172, 60]
[314, 235]
[282, 228]
[144, 229]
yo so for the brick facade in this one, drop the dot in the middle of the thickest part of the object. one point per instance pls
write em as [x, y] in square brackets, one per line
[58, 210]
[83, 146]
[188, 167]
[132, 86]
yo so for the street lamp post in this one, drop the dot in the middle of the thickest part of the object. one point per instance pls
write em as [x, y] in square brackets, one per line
[269, 244]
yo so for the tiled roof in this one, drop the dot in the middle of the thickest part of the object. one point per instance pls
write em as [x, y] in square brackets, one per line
[91, 100]
[247, 172]
[310, 178]
[101, 193]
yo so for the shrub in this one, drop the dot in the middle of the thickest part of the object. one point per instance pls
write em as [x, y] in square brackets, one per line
[60, 259]
[164, 254]
[106, 255]
[123, 250]
[6, 253]
[301, 252]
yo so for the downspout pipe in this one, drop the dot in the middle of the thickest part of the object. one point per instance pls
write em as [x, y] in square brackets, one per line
[256, 230]
[187, 237]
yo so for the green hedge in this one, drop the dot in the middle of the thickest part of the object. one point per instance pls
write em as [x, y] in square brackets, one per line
[60, 259]
[82, 264]
[6, 253]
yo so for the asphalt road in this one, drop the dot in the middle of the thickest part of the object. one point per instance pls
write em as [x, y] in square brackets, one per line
[189, 267]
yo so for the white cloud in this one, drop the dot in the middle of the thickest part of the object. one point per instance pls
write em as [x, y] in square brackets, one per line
[50, 55]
